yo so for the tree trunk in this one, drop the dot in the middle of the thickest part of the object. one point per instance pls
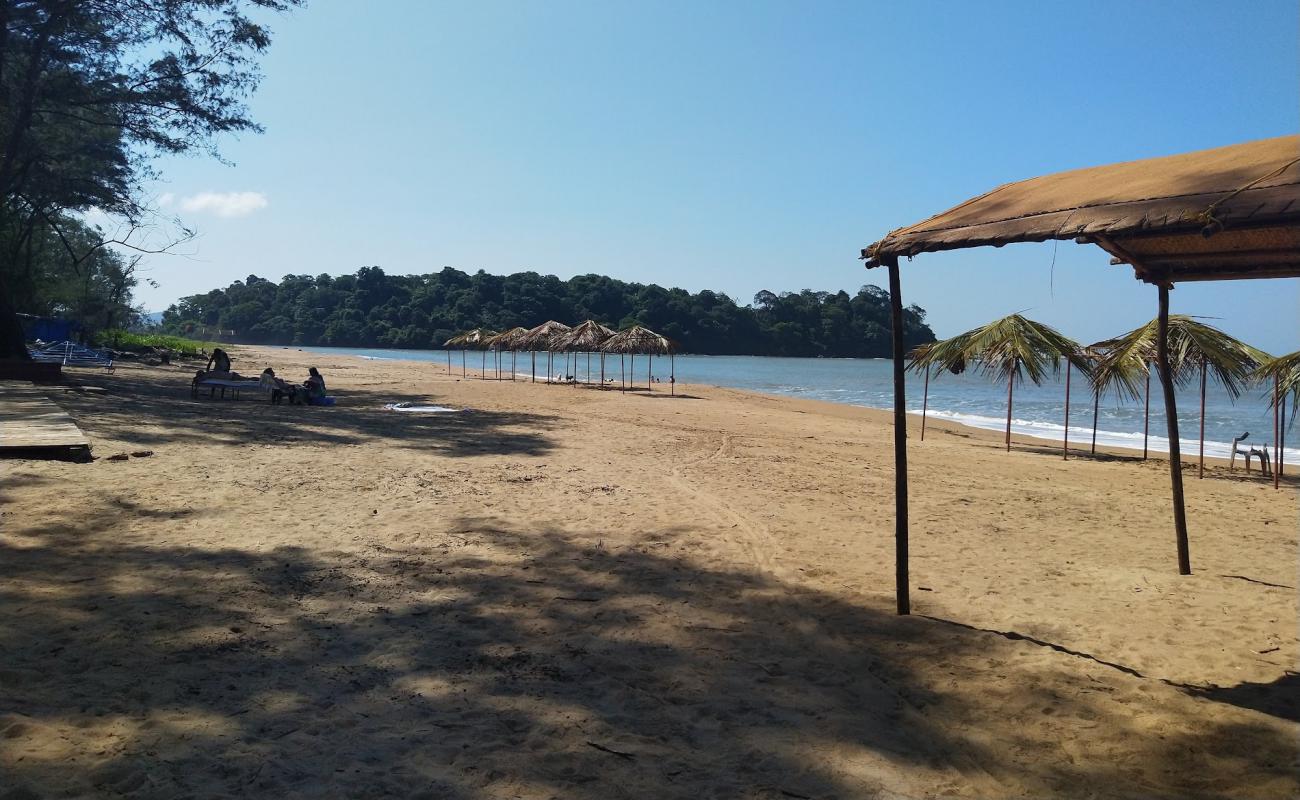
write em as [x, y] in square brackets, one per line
[1171, 420]
[925, 400]
[1065, 448]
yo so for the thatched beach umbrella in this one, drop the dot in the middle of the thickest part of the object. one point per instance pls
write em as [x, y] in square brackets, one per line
[1195, 349]
[585, 338]
[507, 340]
[643, 340]
[540, 338]
[1010, 348]
[475, 339]
[1283, 373]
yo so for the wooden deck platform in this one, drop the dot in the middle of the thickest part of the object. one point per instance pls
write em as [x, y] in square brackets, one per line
[32, 425]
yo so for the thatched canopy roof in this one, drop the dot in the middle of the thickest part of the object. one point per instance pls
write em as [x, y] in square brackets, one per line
[1229, 212]
[539, 338]
[1126, 359]
[472, 339]
[638, 340]
[586, 338]
[507, 340]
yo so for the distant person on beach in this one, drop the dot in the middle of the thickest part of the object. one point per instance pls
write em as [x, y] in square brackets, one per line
[315, 386]
[218, 362]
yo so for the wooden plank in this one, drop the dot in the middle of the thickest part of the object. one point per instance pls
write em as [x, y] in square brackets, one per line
[29, 420]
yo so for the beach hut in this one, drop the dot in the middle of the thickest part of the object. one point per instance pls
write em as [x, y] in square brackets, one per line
[475, 339]
[503, 341]
[586, 338]
[1283, 373]
[1012, 348]
[1229, 213]
[1195, 350]
[540, 338]
[637, 339]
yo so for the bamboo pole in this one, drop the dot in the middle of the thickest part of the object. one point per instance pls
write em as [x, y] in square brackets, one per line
[1171, 421]
[463, 372]
[925, 401]
[650, 359]
[448, 361]
[1065, 447]
[533, 353]
[672, 374]
[901, 588]
[483, 370]
[1096, 403]
[1281, 456]
[1200, 473]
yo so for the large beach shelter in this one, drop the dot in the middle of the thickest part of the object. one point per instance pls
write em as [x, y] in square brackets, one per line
[637, 339]
[585, 338]
[541, 338]
[1230, 213]
[476, 339]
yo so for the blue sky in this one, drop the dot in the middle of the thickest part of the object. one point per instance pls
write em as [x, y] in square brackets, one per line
[727, 145]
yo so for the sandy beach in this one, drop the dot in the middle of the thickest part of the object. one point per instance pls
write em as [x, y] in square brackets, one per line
[564, 592]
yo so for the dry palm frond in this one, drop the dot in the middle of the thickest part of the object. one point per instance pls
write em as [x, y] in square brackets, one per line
[585, 338]
[540, 338]
[1285, 370]
[1192, 345]
[1012, 347]
[638, 340]
[471, 340]
[506, 340]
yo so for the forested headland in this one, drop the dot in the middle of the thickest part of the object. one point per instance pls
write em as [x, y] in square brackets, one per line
[374, 309]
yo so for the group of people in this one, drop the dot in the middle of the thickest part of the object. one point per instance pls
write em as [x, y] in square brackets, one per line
[309, 392]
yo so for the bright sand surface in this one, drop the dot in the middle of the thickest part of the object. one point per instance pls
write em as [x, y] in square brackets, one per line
[572, 593]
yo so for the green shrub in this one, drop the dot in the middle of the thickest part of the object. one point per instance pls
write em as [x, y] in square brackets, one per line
[125, 340]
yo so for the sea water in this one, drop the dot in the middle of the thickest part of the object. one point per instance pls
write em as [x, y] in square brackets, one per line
[970, 399]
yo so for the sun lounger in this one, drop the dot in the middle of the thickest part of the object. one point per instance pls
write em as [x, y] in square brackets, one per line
[71, 354]
[213, 384]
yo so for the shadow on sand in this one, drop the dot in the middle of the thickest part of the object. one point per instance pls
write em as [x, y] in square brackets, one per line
[496, 662]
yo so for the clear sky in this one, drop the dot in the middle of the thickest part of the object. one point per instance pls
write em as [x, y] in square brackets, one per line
[734, 146]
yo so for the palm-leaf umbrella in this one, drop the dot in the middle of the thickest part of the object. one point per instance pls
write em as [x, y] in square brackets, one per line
[507, 340]
[585, 338]
[475, 339]
[1012, 348]
[638, 339]
[1195, 350]
[541, 338]
[1284, 373]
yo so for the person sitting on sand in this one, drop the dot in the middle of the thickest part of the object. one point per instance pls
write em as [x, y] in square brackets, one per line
[315, 386]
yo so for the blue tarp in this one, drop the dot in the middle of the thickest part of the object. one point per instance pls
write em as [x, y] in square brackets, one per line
[48, 329]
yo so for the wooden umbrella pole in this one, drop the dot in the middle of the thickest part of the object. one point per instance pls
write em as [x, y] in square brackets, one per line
[1171, 422]
[1096, 403]
[602, 368]
[1146, 415]
[901, 589]
[1201, 469]
[483, 369]
[463, 370]
[513, 353]
[1281, 456]
[449, 361]
[1065, 448]
[1277, 431]
[672, 374]
[650, 363]
[631, 368]
[925, 401]
[533, 353]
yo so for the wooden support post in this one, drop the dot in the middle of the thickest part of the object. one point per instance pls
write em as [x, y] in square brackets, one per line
[1171, 420]
[925, 400]
[1065, 447]
[672, 374]
[449, 361]
[534, 355]
[463, 369]
[1281, 456]
[901, 589]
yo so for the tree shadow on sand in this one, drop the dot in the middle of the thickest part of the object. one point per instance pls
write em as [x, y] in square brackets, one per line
[145, 409]
[494, 662]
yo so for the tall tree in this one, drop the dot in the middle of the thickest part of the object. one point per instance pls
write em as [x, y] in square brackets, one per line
[91, 91]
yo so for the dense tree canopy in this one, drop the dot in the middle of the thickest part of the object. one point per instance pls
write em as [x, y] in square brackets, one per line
[373, 309]
[90, 92]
